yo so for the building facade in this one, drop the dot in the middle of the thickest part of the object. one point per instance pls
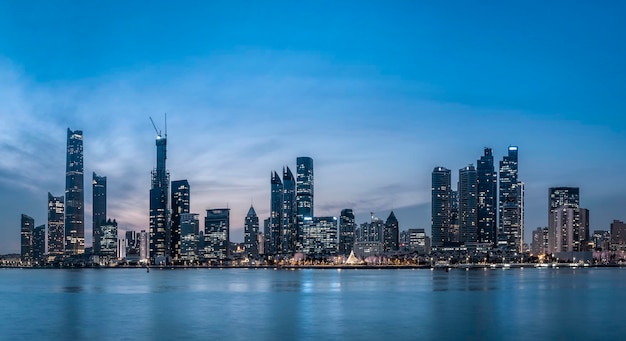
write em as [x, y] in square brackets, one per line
[27, 224]
[347, 227]
[391, 233]
[180, 205]
[441, 205]
[189, 237]
[510, 203]
[320, 237]
[56, 225]
[276, 215]
[251, 232]
[468, 204]
[216, 234]
[159, 211]
[304, 192]
[289, 229]
[108, 239]
[487, 193]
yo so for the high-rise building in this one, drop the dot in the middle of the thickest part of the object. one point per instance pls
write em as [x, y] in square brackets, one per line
[159, 213]
[99, 203]
[347, 228]
[189, 236]
[468, 204]
[618, 234]
[539, 244]
[108, 238]
[56, 225]
[391, 233]
[289, 228]
[417, 241]
[216, 234]
[251, 231]
[441, 205]
[26, 234]
[487, 198]
[266, 238]
[563, 196]
[74, 194]
[276, 215]
[602, 239]
[144, 246]
[510, 202]
[304, 191]
[454, 232]
[39, 244]
[180, 205]
[568, 223]
[320, 236]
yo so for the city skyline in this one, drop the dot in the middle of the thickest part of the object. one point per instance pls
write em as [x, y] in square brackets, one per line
[375, 109]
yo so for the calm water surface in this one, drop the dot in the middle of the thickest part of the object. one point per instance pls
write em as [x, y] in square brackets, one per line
[240, 304]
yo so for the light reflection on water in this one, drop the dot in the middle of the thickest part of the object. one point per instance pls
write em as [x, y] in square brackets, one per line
[243, 304]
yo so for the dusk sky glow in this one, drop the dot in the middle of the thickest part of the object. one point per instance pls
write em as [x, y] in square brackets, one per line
[376, 93]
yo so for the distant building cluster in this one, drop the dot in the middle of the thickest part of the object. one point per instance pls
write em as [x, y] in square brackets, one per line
[484, 213]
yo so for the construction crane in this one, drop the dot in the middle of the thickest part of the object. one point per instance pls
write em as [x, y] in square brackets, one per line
[155, 128]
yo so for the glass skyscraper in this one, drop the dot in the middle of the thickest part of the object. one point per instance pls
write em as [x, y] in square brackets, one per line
[347, 228]
[56, 225]
[26, 234]
[99, 204]
[304, 191]
[39, 244]
[180, 205]
[510, 202]
[487, 198]
[251, 231]
[216, 234]
[289, 228]
[468, 204]
[391, 233]
[276, 215]
[74, 194]
[441, 205]
[159, 213]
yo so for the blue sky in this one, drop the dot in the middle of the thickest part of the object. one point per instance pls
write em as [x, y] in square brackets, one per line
[377, 93]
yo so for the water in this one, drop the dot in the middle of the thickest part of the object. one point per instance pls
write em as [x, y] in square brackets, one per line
[242, 304]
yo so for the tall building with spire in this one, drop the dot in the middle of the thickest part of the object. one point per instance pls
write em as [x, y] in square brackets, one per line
[56, 225]
[276, 215]
[99, 207]
[468, 204]
[487, 198]
[289, 228]
[180, 205]
[304, 192]
[74, 194]
[251, 231]
[441, 205]
[510, 202]
[159, 212]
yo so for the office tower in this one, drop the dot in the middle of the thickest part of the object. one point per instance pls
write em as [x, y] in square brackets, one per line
[289, 228]
[454, 232]
[391, 233]
[618, 235]
[320, 236]
[468, 204]
[216, 234]
[251, 231]
[39, 244]
[417, 241]
[304, 192]
[159, 191]
[26, 233]
[131, 240]
[56, 225]
[347, 226]
[189, 236]
[99, 190]
[372, 231]
[144, 246]
[108, 238]
[276, 215]
[568, 223]
[180, 205]
[487, 198]
[441, 205]
[539, 244]
[510, 202]
[602, 239]
[266, 237]
[74, 195]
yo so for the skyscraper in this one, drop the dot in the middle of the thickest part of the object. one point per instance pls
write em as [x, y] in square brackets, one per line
[74, 194]
[56, 225]
[251, 231]
[189, 237]
[347, 226]
[487, 198]
[216, 234]
[276, 215]
[468, 204]
[304, 191]
[39, 244]
[320, 236]
[568, 223]
[391, 233]
[99, 190]
[441, 205]
[159, 214]
[26, 234]
[289, 228]
[510, 202]
[180, 205]
[108, 238]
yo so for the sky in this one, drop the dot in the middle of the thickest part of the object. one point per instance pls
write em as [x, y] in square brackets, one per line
[377, 93]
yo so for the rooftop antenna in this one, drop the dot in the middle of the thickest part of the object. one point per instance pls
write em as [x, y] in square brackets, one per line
[155, 128]
[165, 125]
